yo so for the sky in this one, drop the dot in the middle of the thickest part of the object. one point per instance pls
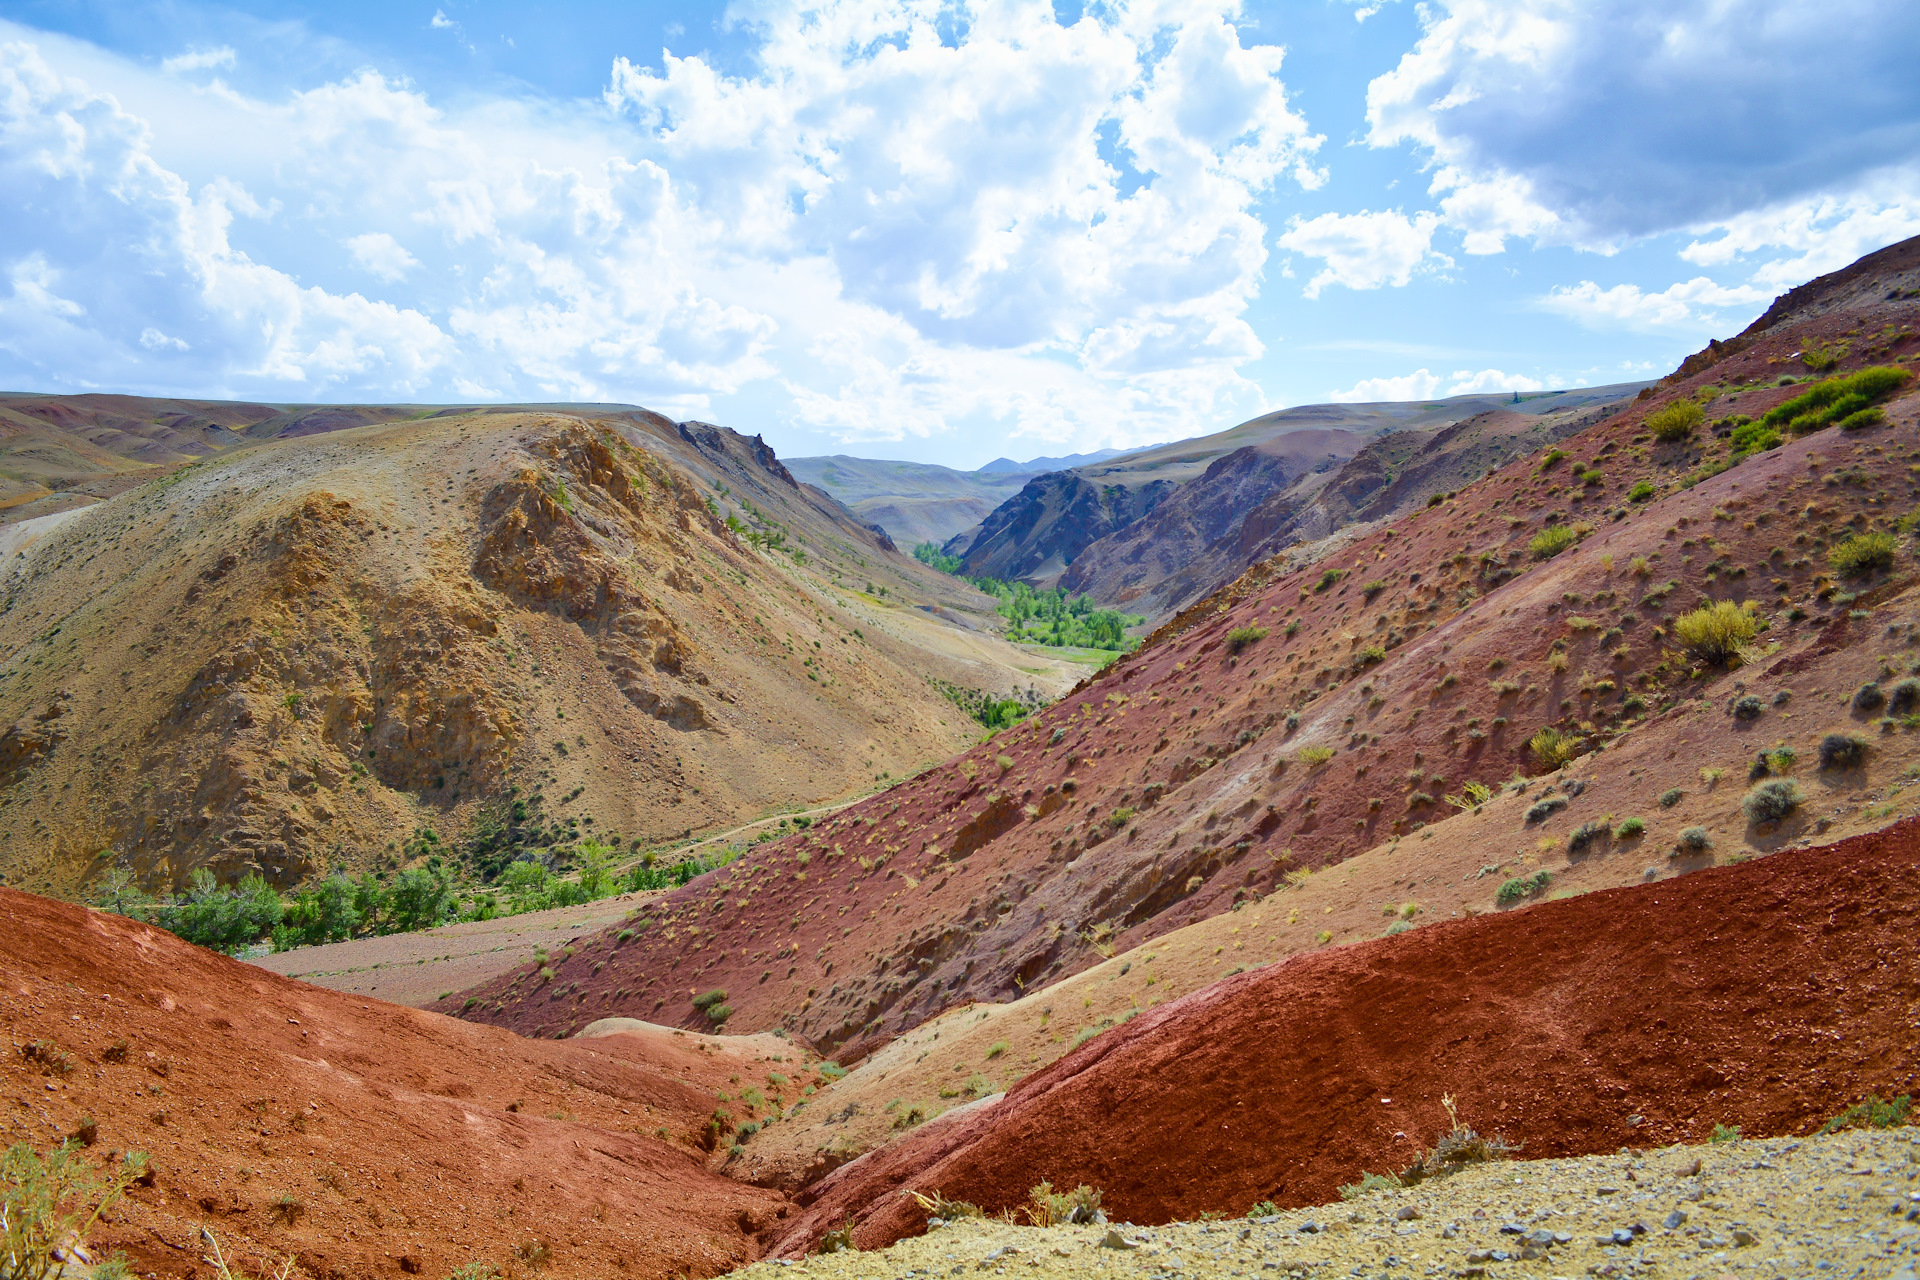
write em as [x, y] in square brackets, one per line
[935, 231]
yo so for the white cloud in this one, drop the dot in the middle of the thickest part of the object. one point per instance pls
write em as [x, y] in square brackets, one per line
[154, 340]
[1466, 382]
[1587, 123]
[199, 60]
[1693, 302]
[1418, 385]
[1365, 250]
[1424, 384]
[892, 223]
[440, 21]
[381, 255]
[1821, 233]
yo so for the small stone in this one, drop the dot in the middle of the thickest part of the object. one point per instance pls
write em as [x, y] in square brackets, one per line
[1673, 1220]
[1406, 1213]
[1513, 1229]
[1540, 1237]
[1606, 1191]
[1480, 1255]
[1114, 1240]
[1562, 1237]
[1691, 1170]
[1743, 1237]
[1621, 1236]
[1309, 1227]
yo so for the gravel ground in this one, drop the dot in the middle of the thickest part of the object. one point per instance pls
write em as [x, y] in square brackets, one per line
[1844, 1205]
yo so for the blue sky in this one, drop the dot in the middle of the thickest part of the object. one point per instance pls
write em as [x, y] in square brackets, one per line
[929, 230]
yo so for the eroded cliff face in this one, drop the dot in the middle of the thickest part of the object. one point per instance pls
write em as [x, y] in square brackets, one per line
[303, 654]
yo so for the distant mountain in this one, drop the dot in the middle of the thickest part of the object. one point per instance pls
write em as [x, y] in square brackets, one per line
[1033, 466]
[913, 501]
[1160, 527]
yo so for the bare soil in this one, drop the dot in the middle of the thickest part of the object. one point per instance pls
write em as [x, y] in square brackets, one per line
[358, 1137]
[1769, 995]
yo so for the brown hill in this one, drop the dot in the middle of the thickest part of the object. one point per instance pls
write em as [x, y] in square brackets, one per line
[356, 1137]
[1046, 529]
[1416, 658]
[303, 652]
[1770, 996]
[1300, 488]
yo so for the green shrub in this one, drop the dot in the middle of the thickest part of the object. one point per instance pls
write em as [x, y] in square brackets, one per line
[1772, 800]
[1863, 418]
[1834, 400]
[1520, 887]
[1863, 553]
[1871, 1113]
[1551, 541]
[1748, 707]
[1867, 698]
[50, 1204]
[1725, 1133]
[1552, 748]
[1328, 578]
[220, 919]
[708, 999]
[1264, 1209]
[1842, 751]
[1641, 491]
[1903, 698]
[996, 1049]
[1717, 632]
[1629, 828]
[1372, 589]
[1585, 834]
[1240, 637]
[1675, 422]
[1368, 1184]
[719, 1013]
[1694, 840]
[1668, 799]
[1315, 755]
[1755, 437]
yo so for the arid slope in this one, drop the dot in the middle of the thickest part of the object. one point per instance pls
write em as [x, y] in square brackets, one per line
[303, 652]
[360, 1138]
[1416, 657]
[1770, 995]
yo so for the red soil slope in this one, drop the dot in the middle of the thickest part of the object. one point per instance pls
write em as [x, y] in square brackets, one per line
[397, 1141]
[1172, 786]
[1770, 995]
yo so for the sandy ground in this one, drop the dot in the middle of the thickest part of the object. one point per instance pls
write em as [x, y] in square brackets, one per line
[1839, 1205]
[415, 968]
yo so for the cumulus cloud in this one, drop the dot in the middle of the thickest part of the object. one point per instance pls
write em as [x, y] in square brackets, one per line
[899, 218]
[1418, 385]
[1589, 123]
[1365, 250]
[1691, 302]
[381, 255]
[1423, 384]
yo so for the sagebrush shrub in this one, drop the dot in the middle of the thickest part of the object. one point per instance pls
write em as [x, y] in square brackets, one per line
[1863, 553]
[1716, 633]
[1695, 840]
[1675, 422]
[1551, 748]
[1240, 637]
[1842, 751]
[1551, 541]
[1903, 698]
[1772, 801]
[1867, 697]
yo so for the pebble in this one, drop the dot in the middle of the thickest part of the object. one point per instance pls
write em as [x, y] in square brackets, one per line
[1770, 1209]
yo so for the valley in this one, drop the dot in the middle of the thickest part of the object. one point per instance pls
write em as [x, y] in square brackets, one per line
[1549, 769]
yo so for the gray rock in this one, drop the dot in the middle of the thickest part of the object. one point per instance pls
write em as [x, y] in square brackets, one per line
[1673, 1220]
[1309, 1227]
[1406, 1213]
[1114, 1240]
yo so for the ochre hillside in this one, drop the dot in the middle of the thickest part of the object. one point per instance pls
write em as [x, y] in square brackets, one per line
[303, 653]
